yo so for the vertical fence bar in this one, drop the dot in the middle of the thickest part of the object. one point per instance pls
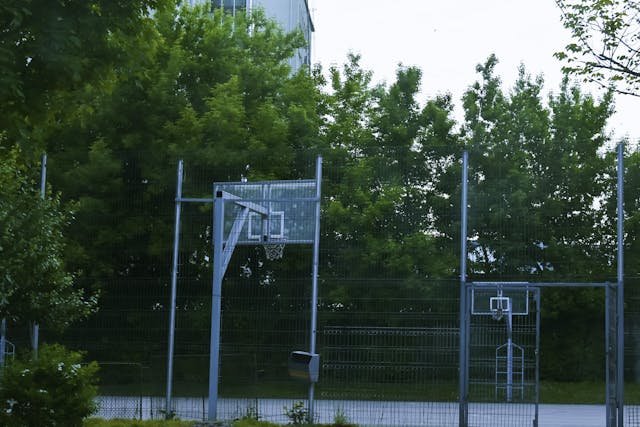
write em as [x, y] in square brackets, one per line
[314, 280]
[216, 303]
[35, 334]
[610, 359]
[464, 356]
[620, 289]
[3, 342]
[537, 355]
[174, 286]
[509, 354]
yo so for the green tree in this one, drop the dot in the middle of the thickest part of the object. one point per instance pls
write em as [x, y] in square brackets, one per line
[386, 153]
[55, 389]
[536, 177]
[204, 89]
[605, 44]
[36, 284]
[225, 104]
[632, 210]
[48, 48]
[537, 181]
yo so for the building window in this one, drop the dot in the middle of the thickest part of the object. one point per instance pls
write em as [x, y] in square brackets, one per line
[230, 5]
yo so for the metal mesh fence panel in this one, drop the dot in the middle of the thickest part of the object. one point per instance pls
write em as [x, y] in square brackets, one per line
[388, 308]
[388, 315]
[399, 355]
[632, 351]
[503, 365]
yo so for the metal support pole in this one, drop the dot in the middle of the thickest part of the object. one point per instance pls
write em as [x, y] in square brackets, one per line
[620, 289]
[174, 286]
[35, 327]
[537, 392]
[463, 412]
[610, 359]
[216, 303]
[314, 280]
[3, 342]
[509, 354]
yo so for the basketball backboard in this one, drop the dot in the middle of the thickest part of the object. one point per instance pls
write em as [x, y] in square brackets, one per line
[486, 300]
[278, 211]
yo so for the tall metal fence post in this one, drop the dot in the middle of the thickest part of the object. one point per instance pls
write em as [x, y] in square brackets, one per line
[174, 286]
[620, 290]
[464, 357]
[216, 304]
[35, 331]
[3, 342]
[611, 358]
[537, 391]
[314, 280]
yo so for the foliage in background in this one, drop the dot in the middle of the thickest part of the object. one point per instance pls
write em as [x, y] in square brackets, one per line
[56, 389]
[202, 89]
[386, 154]
[227, 104]
[605, 47]
[538, 186]
[35, 283]
[116, 109]
[536, 174]
[48, 49]
[632, 210]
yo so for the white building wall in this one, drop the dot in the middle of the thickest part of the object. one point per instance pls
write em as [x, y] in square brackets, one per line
[290, 14]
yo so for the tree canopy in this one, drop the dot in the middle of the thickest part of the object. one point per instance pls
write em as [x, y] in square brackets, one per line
[35, 284]
[48, 48]
[605, 47]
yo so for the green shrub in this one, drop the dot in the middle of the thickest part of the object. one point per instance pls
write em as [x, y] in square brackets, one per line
[54, 390]
[298, 414]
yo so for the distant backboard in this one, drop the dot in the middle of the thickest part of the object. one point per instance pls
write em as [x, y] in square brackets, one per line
[269, 211]
[484, 300]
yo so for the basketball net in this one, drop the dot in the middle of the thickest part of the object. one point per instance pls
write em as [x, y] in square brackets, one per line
[502, 306]
[498, 314]
[273, 251]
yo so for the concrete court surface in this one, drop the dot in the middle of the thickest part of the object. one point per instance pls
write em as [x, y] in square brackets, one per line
[371, 413]
[572, 415]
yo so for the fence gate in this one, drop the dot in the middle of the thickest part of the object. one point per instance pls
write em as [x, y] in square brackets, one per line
[503, 344]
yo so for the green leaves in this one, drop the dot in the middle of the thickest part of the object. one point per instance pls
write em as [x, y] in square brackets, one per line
[35, 285]
[55, 389]
[536, 174]
[387, 152]
[605, 43]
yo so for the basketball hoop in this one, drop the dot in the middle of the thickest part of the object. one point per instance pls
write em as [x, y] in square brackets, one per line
[497, 314]
[273, 251]
[499, 305]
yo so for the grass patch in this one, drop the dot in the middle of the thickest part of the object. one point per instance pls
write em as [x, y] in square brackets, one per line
[253, 423]
[256, 423]
[99, 422]
[583, 392]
